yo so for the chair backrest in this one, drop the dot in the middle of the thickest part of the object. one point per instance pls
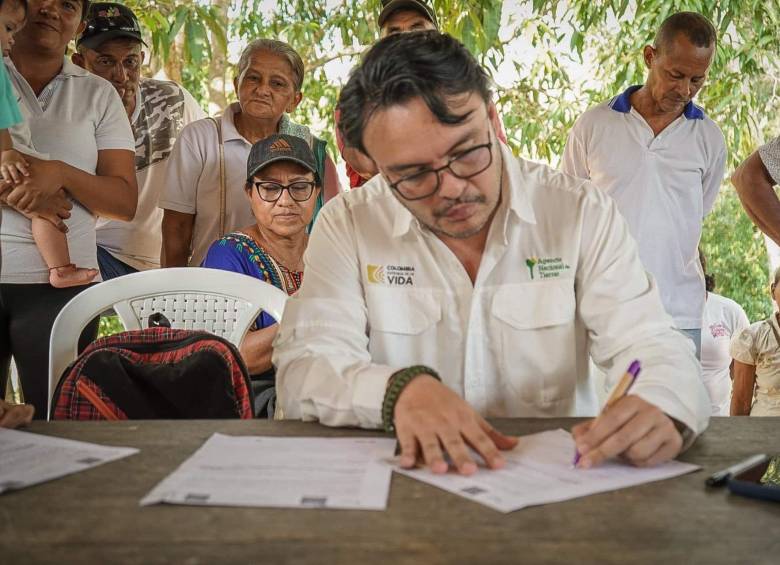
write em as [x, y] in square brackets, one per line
[193, 298]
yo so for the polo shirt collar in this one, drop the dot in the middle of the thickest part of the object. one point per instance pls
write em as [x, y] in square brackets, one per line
[229, 131]
[622, 103]
[514, 198]
[71, 69]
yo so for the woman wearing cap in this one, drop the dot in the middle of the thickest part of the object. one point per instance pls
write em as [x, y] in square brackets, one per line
[270, 76]
[282, 187]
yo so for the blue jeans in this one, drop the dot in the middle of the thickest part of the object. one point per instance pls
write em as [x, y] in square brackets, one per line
[110, 266]
[695, 336]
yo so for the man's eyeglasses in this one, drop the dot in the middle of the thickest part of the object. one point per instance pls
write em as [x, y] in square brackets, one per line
[299, 191]
[465, 165]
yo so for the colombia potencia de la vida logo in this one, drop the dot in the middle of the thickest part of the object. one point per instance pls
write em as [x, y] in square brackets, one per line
[393, 275]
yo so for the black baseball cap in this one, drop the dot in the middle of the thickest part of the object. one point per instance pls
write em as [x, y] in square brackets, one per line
[108, 20]
[390, 6]
[280, 147]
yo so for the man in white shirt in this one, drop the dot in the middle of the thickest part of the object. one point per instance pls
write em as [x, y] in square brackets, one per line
[499, 274]
[662, 160]
[755, 180]
[111, 47]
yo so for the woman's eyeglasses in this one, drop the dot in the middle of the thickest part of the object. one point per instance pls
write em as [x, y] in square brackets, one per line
[299, 191]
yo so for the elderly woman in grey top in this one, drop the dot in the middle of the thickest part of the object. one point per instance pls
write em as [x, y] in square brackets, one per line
[212, 154]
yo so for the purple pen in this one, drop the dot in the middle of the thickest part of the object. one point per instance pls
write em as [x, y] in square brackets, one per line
[617, 393]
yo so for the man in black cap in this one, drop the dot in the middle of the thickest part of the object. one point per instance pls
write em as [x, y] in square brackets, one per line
[111, 47]
[399, 16]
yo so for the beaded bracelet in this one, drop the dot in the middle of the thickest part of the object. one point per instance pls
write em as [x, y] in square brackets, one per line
[398, 382]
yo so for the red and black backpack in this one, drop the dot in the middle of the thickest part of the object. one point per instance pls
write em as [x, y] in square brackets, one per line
[155, 373]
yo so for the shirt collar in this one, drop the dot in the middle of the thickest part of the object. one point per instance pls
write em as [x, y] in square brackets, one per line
[622, 103]
[514, 198]
[229, 131]
[71, 69]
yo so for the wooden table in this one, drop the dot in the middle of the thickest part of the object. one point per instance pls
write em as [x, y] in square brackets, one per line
[94, 517]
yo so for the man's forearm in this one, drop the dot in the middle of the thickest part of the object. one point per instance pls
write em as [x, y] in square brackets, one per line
[176, 238]
[174, 252]
[756, 192]
[256, 350]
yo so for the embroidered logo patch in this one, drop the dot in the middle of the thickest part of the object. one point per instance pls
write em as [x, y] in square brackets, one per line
[545, 267]
[280, 145]
[393, 275]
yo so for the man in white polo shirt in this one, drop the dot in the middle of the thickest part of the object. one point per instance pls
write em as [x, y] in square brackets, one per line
[111, 47]
[662, 160]
[498, 274]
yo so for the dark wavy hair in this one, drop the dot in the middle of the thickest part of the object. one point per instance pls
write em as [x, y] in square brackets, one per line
[425, 64]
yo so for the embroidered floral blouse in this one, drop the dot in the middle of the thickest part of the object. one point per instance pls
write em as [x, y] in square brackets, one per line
[240, 253]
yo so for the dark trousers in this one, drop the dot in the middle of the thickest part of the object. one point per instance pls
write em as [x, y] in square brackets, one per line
[111, 267]
[27, 313]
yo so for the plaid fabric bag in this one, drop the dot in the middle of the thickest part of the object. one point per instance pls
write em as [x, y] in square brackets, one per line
[156, 373]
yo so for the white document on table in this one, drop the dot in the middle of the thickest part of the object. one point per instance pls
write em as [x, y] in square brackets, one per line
[539, 471]
[289, 472]
[27, 459]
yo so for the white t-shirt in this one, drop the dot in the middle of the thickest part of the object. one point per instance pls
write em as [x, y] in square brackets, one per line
[192, 180]
[723, 319]
[77, 115]
[162, 109]
[664, 185]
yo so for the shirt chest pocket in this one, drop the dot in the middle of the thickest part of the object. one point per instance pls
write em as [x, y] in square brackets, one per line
[402, 325]
[534, 329]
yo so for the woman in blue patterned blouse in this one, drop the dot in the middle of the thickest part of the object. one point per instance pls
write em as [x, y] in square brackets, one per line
[282, 188]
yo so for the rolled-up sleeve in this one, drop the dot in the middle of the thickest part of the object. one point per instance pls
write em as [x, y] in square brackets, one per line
[625, 320]
[324, 370]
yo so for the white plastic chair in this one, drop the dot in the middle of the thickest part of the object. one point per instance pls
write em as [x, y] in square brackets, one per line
[193, 298]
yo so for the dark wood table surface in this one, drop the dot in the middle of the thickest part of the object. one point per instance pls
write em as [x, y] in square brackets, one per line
[94, 517]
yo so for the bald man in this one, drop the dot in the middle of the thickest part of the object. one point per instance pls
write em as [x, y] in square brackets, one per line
[662, 160]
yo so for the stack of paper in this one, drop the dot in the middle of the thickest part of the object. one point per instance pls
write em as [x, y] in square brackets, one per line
[282, 471]
[28, 459]
[539, 471]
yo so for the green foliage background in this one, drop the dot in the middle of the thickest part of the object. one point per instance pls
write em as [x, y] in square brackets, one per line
[190, 39]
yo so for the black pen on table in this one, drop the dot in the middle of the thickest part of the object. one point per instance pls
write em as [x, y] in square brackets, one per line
[617, 393]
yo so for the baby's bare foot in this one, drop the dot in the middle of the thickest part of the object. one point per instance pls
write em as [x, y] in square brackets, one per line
[70, 275]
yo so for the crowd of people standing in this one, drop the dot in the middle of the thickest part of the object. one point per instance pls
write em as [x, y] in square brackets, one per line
[106, 172]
